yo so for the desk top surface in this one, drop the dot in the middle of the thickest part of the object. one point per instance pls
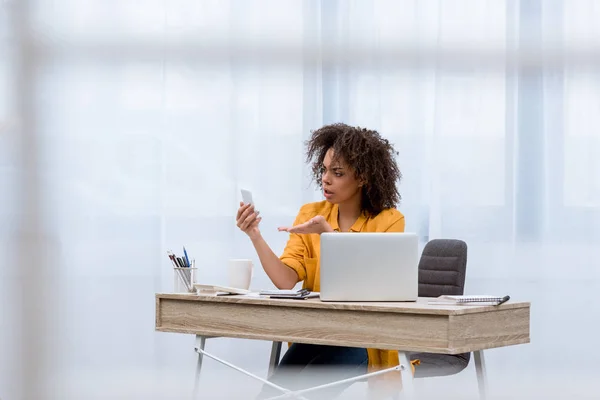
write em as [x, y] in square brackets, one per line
[421, 306]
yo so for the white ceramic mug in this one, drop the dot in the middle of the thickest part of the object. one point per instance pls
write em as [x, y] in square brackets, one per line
[240, 273]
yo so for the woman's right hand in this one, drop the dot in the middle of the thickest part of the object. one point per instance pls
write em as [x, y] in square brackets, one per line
[247, 220]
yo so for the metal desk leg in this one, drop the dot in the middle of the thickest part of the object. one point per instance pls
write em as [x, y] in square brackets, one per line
[200, 341]
[199, 348]
[407, 375]
[480, 369]
[275, 355]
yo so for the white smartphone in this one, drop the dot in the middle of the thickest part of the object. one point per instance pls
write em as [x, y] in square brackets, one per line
[247, 196]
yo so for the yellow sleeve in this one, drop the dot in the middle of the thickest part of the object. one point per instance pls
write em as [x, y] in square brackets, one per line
[397, 225]
[293, 254]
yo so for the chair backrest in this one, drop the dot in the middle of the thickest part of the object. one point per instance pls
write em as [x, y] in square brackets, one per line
[442, 268]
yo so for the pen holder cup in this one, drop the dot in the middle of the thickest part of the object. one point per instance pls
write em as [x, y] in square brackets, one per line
[184, 279]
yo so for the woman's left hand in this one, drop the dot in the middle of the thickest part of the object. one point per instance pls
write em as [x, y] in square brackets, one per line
[316, 224]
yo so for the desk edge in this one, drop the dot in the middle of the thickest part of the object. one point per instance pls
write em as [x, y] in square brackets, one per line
[350, 306]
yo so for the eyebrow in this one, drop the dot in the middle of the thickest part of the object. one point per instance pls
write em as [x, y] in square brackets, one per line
[334, 168]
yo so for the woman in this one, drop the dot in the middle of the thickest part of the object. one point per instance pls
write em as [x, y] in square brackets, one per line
[356, 170]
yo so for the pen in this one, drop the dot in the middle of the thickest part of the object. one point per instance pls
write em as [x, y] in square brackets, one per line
[187, 260]
[172, 258]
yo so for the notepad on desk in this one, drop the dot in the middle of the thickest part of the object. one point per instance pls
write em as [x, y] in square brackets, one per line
[219, 290]
[289, 294]
[478, 300]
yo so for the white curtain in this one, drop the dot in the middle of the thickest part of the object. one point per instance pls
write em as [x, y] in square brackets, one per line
[127, 129]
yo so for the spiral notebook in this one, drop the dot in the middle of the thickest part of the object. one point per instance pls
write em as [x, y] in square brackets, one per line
[470, 300]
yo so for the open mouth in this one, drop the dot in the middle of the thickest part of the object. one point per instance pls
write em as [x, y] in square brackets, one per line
[327, 192]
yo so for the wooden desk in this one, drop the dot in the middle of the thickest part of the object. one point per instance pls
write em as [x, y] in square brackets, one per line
[414, 327]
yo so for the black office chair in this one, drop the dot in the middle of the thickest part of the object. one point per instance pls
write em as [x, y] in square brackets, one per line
[442, 271]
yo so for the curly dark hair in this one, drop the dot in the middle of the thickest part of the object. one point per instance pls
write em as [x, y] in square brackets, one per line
[371, 156]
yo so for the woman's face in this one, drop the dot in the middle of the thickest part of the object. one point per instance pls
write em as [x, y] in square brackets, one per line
[340, 184]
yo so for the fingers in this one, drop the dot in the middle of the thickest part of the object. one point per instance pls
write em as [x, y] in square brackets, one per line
[249, 220]
[302, 228]
[256, 222]
[296, 229]
[244, 212]
[243, 207]
[241, 221]
[292, 229]
[310, 226]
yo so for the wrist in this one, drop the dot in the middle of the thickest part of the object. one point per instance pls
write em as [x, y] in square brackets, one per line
[255, 236]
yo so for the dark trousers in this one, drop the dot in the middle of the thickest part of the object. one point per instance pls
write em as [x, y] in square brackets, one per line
[309, 365]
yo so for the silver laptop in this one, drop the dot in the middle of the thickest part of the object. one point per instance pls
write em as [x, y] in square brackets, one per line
[369, 266]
